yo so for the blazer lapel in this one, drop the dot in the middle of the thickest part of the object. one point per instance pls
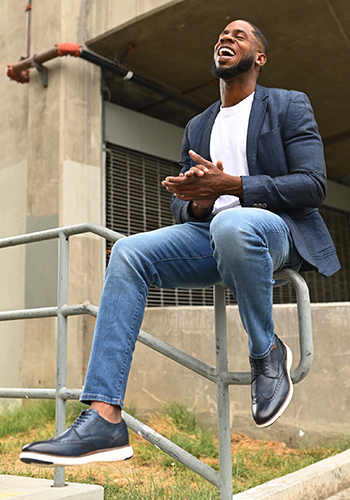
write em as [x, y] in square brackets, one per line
[204, 129]
[257, 115]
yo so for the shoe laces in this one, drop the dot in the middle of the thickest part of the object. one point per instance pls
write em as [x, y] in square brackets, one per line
[84, 415]
[259, 367]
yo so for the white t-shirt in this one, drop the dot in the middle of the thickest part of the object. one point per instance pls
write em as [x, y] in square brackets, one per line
[228, 143]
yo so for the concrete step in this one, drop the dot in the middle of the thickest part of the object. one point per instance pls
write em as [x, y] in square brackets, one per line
[29, 488]
[323, 480]
[342, 495]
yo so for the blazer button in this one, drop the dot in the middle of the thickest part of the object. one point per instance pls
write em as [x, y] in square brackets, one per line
[255, 205]
[264, 205]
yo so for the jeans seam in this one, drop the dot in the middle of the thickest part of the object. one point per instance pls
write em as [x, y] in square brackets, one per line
[131, 337]
[270, 300]
[101, 397]
[179, 258]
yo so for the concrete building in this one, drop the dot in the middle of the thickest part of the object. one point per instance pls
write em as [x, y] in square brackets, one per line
[93, 147]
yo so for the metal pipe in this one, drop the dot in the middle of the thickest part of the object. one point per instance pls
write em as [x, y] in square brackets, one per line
[61, 368]
[177, 355]
[43, 312]
[28, 27]
[79, 309]
[222, 395]
[107, 64]
[172, 449]
[15, 393]
[126, 74]
[236, 378]
[304, 322]
[20, 71]
[50, 234]
[60, 49]
[49, 312]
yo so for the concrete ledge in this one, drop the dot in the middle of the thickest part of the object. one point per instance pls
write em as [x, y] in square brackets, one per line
[319, 480]
[27, 488]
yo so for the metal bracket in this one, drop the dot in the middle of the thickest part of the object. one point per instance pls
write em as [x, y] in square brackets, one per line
[42, 70]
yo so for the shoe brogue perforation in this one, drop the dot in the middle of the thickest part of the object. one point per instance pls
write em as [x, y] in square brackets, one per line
[278, 385]
[271, 388]
[89, 439]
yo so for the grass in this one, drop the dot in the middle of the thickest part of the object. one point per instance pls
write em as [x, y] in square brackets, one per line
[151, 474]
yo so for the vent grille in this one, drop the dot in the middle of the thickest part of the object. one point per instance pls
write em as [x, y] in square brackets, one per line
[136, 202]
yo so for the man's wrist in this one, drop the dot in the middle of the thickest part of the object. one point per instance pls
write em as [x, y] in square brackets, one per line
[233, 186]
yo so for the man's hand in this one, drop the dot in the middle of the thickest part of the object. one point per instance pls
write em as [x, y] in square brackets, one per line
[199, 170]
[202, 185]
[198, 183]
[204, 182]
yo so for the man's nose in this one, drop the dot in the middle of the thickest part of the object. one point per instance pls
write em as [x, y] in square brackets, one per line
[226, 37]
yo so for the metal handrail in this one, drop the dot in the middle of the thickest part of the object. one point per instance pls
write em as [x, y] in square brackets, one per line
[219, 375]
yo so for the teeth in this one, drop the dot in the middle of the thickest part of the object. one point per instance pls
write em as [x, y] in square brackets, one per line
[224, 51]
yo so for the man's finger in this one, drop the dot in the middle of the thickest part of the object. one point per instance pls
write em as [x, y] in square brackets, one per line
[196, 171]
[183, 197]
[220, 165]
[177, 180]
[199, 159]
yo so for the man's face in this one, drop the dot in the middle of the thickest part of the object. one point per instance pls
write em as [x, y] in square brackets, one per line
[235, 51]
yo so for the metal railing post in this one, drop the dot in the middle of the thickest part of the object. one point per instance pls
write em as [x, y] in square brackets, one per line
[223, 398]
[61, 368]
[304, 322]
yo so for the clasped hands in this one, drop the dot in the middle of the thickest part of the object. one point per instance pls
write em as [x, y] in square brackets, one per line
[203, 183]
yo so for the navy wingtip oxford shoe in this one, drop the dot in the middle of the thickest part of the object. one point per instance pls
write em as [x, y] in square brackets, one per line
[271, 384]
[89, 439]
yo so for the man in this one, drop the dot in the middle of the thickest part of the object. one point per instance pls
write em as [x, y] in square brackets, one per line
[246, 201]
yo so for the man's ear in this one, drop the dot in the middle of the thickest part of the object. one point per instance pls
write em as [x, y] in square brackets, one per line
[261, 59]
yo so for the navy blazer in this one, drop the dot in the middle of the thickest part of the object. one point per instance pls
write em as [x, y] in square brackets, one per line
[286, 166]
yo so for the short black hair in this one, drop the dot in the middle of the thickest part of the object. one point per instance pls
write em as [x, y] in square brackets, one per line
[257, 33]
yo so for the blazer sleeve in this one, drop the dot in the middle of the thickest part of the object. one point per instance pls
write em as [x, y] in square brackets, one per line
[299, 180]
[178, 207]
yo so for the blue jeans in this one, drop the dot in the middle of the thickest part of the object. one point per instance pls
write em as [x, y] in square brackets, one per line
[242, 247]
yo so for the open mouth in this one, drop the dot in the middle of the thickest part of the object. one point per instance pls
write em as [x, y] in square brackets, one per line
[226, 52]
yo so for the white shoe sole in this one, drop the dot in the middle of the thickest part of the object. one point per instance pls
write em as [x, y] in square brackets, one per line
[42, 460]
[290, 394]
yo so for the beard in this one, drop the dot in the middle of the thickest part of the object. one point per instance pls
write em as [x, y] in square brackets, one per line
[233, 71]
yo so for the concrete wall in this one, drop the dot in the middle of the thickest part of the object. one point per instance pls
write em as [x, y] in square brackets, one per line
[50, 175]
[320, 407]
[13, 182]
[139, 132]
[64, 172]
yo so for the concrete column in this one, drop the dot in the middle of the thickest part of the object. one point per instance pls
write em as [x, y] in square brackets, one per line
[13, 180]
[50, 170]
